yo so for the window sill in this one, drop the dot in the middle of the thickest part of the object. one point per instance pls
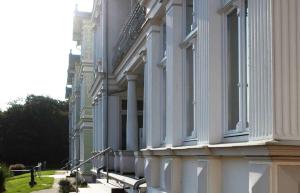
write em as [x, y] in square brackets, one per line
[187, 41]
[190, 140]
[162, 63]
[236, 134]
[235, 137]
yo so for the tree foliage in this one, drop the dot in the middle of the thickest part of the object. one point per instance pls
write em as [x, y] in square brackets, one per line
[35, 131]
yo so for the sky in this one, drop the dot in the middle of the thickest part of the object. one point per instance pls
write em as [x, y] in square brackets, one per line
[35, 42]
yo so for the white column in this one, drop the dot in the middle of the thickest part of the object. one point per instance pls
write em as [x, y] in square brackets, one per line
[132, 121]
[77, 147]
[100, 126]
[96, 124]
[174, 74]
[152, 88]
[93, 112]
[114, 122]
[103, 119]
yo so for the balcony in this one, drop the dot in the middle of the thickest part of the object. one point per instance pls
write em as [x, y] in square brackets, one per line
[129, 33]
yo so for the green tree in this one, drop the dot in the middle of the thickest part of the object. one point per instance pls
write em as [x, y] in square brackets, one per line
[35, 131]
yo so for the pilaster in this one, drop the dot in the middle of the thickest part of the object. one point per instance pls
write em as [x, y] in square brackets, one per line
[286, 72]
[114, 122]
[260, 176]
[171, 175]
[261, 70]
[174, 74]
[152, 85]
[152, 171]
[132, 119]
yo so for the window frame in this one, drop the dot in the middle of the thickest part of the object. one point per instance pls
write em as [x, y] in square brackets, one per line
[189, 39]
[242, 127]
[163, 85]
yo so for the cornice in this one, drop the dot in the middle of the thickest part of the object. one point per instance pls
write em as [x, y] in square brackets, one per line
[263, 149]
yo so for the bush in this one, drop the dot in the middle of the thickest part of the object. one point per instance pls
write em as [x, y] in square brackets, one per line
[73, 174]
[17, 167]
[65, 186]
[4, 173]
[2, 181]
[83, 184]
[5, 170]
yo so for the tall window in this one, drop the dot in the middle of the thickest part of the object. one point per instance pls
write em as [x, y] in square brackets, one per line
[189, 16]
[188, 45]
[123, 123]
[163, 82]
[163, 104]
[190, 90]
[237, 66]
[164, 38]
[233, 68]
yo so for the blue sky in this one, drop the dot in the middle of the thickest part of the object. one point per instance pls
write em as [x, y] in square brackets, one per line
[35, 40]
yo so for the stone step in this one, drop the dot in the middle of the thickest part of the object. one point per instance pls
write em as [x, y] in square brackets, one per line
[126, 181]
[106, 188]
[100, 188]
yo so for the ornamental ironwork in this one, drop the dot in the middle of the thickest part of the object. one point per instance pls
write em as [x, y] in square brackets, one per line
[129, 33]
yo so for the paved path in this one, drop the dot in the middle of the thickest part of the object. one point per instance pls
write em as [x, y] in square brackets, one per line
[57, 176]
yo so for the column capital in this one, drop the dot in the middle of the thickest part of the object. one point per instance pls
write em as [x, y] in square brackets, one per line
[172, 3]
[153, 29]
[130, 76]
[95, 100]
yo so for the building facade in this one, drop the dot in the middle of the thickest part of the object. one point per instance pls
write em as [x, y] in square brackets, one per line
[80, 76]
[198, 96]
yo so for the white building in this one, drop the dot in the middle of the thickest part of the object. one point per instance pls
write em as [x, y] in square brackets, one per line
[198, 96]
[80, 76]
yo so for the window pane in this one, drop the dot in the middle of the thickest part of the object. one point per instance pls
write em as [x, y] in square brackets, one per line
[124, 104]
[247, 63]
[123, 123]
[140, 130]
[164, 38]
[233, 70]
[190, 90]
[140, 105]
[189, 15]
[140, 121]
[164, 104]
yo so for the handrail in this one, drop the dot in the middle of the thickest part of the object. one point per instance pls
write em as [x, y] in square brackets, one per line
[66, 165]
[89, 159]
[137, 184]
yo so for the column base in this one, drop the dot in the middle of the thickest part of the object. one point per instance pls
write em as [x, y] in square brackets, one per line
[127, 162]
[139, 165]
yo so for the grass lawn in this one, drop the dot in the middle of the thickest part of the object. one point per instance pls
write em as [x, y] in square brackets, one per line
[19, 184]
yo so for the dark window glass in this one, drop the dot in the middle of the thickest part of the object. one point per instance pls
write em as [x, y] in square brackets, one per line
[190, 89]
[189, 15]
[124, 104]
[233, 69]
[140, 105]
[123, 123]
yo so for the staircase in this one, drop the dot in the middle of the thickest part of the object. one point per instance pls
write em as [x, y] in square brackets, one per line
[117, 184]
[101, 188]
[110, 182]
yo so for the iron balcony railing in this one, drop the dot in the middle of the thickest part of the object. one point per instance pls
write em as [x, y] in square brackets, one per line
[129, 33]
